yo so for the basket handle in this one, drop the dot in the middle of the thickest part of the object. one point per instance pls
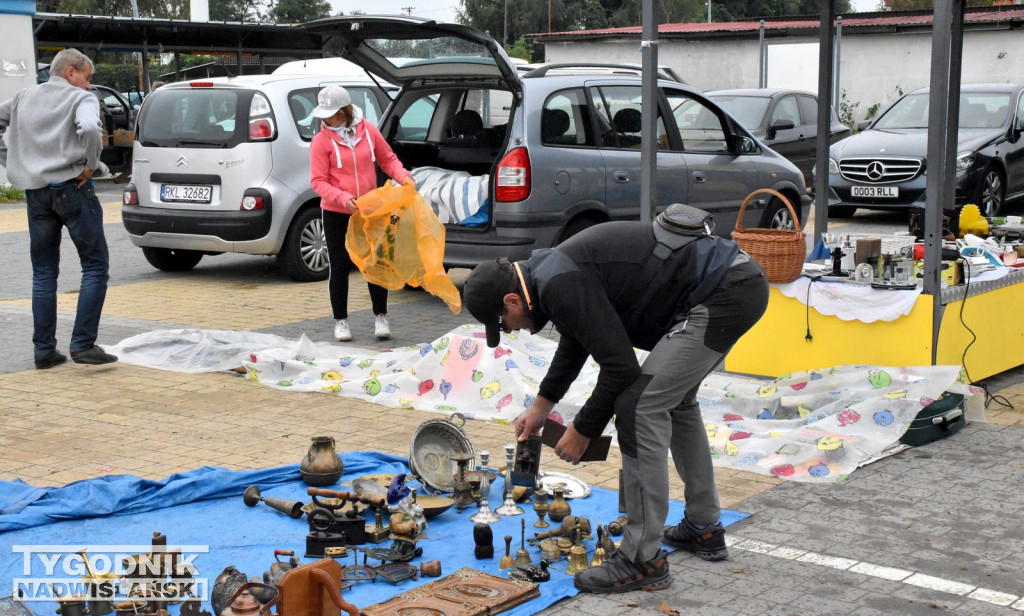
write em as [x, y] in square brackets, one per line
[774, 193]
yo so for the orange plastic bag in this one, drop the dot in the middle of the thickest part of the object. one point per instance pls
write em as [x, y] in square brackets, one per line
[395, 239]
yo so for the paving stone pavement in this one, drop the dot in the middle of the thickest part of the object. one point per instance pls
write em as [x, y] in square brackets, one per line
[934, 529]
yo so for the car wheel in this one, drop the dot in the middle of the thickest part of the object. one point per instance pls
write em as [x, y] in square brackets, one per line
[575, 226]
[172, 259]
[777, 215]
[990, 193]
[304, 254]
[841, 211]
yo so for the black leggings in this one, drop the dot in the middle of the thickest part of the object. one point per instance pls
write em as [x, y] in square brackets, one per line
[335, 228]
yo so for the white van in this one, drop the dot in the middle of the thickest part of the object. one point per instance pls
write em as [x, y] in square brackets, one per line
[222, 165]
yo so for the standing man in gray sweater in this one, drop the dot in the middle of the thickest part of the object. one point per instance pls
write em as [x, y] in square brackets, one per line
[52, 140]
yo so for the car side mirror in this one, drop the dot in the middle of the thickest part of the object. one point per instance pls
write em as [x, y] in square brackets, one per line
[747, 145]
[862, 126]
[777, 125]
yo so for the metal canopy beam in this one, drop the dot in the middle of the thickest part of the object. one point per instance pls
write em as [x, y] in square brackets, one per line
[170, 35]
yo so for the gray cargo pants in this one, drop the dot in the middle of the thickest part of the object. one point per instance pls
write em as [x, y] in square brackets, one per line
[659, 411]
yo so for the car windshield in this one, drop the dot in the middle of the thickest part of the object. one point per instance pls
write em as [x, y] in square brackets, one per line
[748, 110]
[410, 52]
[977, 110]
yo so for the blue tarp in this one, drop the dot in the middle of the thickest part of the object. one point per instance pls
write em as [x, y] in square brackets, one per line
[204, 507]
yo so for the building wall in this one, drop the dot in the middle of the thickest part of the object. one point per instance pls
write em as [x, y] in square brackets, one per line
[872, 65]
[17, 52]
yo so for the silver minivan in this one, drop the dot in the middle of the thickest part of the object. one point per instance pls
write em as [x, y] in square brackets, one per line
[222, 165]
[550, 151]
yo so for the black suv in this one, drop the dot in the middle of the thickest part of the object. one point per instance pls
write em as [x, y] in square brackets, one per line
[884, 167]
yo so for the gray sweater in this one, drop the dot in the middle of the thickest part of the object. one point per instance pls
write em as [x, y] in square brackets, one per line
[51, 131]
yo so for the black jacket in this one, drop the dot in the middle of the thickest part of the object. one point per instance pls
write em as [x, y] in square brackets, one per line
[605, 292]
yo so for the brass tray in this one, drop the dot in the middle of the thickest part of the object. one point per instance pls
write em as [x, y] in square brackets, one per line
[467, 592]
[432, 446]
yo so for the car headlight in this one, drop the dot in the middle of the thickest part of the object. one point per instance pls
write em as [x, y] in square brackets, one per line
[964, 160]
[833, 167]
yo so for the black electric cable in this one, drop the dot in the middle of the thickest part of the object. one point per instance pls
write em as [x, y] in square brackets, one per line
[807, 307]
[989, 396]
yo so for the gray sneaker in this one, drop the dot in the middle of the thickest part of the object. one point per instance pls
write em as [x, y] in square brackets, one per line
[620, 574]
[707, 541]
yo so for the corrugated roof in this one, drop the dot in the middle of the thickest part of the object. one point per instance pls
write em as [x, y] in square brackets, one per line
[850, 21]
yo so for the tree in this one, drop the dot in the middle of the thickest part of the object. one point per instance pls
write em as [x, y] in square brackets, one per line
[169, 9]
[300, 11]
[248, 11]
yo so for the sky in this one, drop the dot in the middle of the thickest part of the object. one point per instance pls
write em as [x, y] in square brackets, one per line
[444, 10]
[440, 10]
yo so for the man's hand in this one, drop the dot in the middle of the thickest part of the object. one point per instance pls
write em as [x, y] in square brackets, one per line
[529, 423]
[84, 176]
[572, 445]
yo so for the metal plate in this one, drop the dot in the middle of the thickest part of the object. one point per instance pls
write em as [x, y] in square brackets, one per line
[573, 486]
[434, 506]
[433, 444]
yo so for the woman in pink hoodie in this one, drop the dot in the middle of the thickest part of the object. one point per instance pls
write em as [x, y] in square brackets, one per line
[341, 161]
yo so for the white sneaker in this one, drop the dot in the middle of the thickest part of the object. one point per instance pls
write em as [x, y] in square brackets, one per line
[341, 331]
[381, 329]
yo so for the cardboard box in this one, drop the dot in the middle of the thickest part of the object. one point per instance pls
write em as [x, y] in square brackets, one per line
[123, 138]
[952, 271]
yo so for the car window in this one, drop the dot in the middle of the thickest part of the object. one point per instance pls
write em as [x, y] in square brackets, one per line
[700, 128]
[565, 119]
[748, 110]
[786, 110]
[984, 109]
[911, 111]
[808, 109]
[1020, 111]
[199, 116]
[302, 102]
[414, 122]
[618, 117]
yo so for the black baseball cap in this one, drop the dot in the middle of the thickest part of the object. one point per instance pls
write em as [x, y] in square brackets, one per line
[484, 296]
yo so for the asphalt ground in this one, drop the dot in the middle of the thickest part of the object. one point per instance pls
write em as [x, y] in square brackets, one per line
[934, 529]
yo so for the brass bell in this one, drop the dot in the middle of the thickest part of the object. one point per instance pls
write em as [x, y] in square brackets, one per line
[522, 556]
[577, 559]
[506, 561]
[577, 553]
[599, 552]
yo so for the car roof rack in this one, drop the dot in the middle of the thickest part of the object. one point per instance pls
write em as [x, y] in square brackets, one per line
[541, 71]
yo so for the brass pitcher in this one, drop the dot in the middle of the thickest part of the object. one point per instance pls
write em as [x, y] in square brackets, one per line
[558, 508]
[321, 466]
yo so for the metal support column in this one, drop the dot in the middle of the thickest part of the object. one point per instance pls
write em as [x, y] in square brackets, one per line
[649, 110]
[762, 60]
[943, 124]
[825, 64]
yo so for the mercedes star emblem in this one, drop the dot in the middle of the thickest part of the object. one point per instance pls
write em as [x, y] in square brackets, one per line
[876, 170]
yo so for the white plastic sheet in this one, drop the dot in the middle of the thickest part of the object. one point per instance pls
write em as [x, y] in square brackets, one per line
[810, 426]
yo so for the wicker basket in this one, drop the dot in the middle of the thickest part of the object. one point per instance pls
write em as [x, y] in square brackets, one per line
[780, 252]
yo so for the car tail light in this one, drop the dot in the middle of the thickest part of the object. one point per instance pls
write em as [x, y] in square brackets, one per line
[261, 129]
[513, 176]
[130, 196]
[201, 84]
[252, 202]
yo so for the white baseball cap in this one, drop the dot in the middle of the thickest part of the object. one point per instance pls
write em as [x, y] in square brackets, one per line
[330, 100]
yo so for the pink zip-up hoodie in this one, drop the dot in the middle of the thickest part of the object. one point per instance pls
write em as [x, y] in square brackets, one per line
[339, 172]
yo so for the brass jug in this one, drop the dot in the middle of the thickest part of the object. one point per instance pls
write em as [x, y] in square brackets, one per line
[321, 466]
[558, 508]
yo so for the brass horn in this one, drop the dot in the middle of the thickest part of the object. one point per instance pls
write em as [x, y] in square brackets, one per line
[252, 496]
[566, 529]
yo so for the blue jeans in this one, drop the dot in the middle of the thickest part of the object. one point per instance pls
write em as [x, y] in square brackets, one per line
[79, 210]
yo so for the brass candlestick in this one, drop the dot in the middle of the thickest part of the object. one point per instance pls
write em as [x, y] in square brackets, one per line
[463, 490]
[540, 507]
[509, 507]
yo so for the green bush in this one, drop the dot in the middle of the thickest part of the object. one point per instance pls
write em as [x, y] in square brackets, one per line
[9, 194]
